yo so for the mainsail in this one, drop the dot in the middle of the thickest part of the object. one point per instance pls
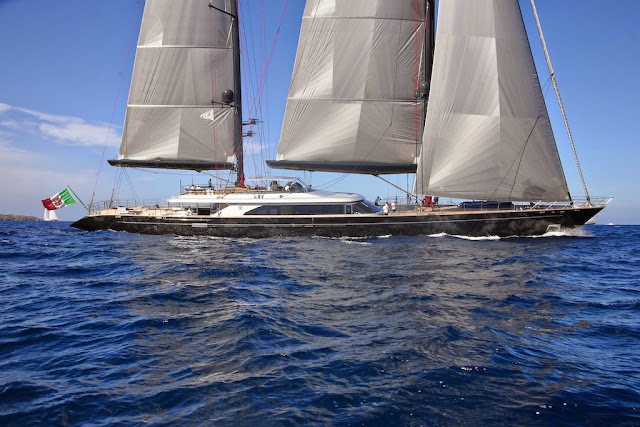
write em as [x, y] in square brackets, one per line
[487, 132]
[356, 101]
[177, 115]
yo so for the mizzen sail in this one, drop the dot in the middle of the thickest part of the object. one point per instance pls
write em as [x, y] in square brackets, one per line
[487, 132]
[176, 115]
[353, 104]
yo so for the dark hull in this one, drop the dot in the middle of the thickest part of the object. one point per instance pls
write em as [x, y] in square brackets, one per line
[488, 223]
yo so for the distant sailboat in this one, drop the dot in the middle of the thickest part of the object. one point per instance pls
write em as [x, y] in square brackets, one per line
[50, 215]
[374, 92]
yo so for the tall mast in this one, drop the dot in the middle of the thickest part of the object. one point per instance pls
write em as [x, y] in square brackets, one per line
[238, 96]
[429, 41]
[555, 86]
[237, 89]
[428, 47]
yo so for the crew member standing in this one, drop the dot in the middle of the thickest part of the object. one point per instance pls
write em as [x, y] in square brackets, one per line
[385, 208]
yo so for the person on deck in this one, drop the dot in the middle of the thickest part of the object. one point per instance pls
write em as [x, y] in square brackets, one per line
[385, 208]
[393, 206]
[428, 202]
[377, 201]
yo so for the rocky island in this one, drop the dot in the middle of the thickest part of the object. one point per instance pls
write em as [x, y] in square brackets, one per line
[10, 217]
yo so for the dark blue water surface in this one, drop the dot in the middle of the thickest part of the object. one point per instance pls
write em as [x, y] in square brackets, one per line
[112, 328]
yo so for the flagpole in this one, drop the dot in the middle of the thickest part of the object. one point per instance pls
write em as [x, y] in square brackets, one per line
[74, 193]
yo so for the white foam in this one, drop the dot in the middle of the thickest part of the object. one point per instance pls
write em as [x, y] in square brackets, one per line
[480, 238]
[457, 236]
[565, 232]
[438, 235]
[353, 242]
[384, 236]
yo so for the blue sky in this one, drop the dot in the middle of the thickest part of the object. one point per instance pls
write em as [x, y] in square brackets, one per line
[62, 65]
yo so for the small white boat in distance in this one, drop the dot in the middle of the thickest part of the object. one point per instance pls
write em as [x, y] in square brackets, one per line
[50, 215]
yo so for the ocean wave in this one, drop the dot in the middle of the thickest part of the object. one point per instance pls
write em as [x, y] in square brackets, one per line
[117, 328]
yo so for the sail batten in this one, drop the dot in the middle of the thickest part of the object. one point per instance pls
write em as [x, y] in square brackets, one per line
[176, 115]
[487, 132]
[352, 99]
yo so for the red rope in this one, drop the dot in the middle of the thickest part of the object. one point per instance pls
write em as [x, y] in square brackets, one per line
[270, 56]
[213, 88]
[263, 77]
[415, 60]
[247, 71]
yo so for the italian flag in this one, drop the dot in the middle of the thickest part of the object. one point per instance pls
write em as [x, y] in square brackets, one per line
[59, 200]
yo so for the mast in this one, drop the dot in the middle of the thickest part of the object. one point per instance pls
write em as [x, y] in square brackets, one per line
[429, 42]
[237, 143]
[555, 87]
[428, 47]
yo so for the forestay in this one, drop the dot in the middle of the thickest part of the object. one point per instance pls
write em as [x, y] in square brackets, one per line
[487, 133]
[352, 104]
[176, 116]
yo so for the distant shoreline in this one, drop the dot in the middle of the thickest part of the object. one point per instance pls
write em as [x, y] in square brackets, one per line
[10, 217]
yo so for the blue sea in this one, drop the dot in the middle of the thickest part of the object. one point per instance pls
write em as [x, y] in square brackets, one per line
[112, 328]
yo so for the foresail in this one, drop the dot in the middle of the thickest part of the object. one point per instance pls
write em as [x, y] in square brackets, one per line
[352, 104]
[176, 117]
[487, 133]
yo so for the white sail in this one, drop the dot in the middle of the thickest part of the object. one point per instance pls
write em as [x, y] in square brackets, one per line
[49, 215]
[487, 133]
[352, 103]
[184, 61]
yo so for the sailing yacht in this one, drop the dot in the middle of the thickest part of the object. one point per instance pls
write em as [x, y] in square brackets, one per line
[49, 215]
[374, 91]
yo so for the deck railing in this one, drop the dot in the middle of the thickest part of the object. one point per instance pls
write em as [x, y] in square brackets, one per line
[477, 206]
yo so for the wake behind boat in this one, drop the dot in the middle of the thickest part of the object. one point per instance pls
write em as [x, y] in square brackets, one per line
[380, 94]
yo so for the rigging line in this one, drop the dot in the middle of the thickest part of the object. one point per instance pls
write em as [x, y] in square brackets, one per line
[215, 176]
[268, 64]
[415, 71]
[131, 187]
[333, 182]
[263, 54]
[115, 104]
[115, 191]
[415, 196]
[264, 73]
[162, 172]
[560, 103]
[518, 159]
[248, 73]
